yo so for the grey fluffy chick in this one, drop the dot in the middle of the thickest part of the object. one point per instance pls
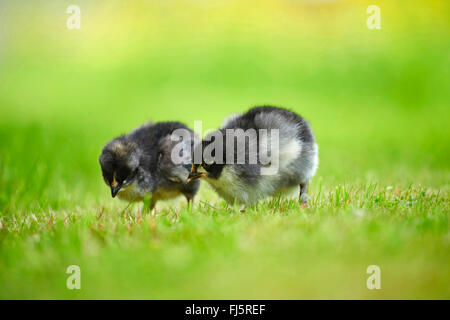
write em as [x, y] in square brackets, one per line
[243, 182]
[138, 165]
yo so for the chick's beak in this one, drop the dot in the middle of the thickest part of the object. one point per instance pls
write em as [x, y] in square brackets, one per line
[194, 175]
[114, 190]
[115, 187]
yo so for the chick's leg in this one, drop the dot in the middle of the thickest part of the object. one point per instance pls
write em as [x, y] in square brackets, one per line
[190, 200]
[149, 204]
[303, 196]
[152, 204]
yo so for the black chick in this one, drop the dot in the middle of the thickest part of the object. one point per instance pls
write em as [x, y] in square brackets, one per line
[139, 165]
[246, 182]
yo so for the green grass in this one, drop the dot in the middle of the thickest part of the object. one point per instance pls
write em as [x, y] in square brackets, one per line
[274, 251]
[377, 101]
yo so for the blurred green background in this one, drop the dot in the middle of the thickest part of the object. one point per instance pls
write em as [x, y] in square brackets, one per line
[377, 100]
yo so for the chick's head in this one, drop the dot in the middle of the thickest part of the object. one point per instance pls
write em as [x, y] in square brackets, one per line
[119, 162]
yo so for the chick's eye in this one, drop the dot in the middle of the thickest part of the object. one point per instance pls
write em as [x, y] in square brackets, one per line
[131, 176]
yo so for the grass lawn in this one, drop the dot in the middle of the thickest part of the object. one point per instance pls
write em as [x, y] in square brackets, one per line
[377, 101]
